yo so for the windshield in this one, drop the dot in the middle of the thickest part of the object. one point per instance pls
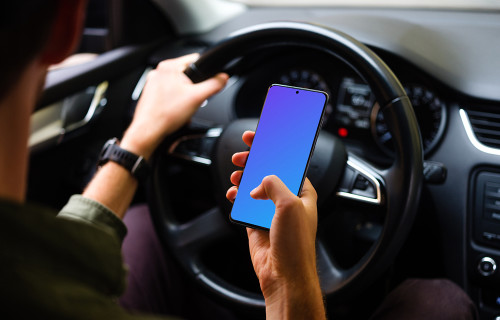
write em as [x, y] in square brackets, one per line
[445, 4]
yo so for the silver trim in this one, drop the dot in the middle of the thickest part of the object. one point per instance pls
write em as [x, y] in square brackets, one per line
[51, 126]
[359, 167]
[136, 94]
[211, 133]
[136, 164]
[472, 137]
[97, 100]
[493, 266]
[242, 298]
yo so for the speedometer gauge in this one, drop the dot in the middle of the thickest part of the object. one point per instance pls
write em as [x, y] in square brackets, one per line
[307, 79]
[431, 116]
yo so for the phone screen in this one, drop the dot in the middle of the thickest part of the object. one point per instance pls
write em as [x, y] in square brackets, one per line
[283, 144]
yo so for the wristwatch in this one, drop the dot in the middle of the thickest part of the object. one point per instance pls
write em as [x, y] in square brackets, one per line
[137, 165]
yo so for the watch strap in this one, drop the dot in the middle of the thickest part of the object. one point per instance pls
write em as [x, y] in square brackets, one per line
[137, 165]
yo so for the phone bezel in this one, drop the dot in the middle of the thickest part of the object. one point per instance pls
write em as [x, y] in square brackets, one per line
[304, 174]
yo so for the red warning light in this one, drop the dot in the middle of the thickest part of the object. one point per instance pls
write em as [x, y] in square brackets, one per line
[343, 132]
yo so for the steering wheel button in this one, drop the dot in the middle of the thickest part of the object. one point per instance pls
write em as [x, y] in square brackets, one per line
[347, 180]
[361, 183]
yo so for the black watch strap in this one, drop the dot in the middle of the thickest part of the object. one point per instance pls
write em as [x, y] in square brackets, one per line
[137, 165]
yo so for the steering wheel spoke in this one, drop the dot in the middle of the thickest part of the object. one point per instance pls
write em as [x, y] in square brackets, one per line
[329, 275]
[196, 147]
[362, 182]
[395, 190]
[192, 236]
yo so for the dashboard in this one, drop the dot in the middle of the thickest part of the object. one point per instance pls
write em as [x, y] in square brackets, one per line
[448, 63]
[352, 112]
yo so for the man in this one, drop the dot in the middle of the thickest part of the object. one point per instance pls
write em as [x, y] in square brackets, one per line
[70, 266]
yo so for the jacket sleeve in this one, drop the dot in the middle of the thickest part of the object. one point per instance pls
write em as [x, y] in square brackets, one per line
[92, 212]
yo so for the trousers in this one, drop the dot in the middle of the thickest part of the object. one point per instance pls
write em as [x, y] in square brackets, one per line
[156, 285]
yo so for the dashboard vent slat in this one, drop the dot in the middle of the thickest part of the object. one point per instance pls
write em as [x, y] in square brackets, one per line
[486, 125]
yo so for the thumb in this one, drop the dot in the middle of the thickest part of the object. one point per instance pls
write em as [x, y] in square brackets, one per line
[272, 188]
[308, 195]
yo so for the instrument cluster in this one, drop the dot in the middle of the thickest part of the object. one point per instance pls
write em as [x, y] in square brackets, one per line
[352, 113]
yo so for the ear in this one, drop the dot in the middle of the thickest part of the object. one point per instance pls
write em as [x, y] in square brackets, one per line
[66, 31]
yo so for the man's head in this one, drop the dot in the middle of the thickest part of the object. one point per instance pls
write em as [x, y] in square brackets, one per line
[43, 30]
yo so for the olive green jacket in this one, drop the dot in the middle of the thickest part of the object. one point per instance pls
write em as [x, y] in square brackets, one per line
[61, 266]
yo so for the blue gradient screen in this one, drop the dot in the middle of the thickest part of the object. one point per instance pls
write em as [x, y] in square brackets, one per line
[282, 146]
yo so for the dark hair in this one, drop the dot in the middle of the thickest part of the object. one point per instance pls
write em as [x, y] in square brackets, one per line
[24, 29]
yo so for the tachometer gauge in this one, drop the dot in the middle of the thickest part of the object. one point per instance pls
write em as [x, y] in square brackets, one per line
[308, 79]
[431, 116]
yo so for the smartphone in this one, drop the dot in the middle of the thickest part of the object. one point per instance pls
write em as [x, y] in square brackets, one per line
[284, 141]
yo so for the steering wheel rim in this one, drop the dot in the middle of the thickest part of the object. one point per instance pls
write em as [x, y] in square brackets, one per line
[401, 182]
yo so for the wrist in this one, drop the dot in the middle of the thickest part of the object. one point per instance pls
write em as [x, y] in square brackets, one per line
[139, 147]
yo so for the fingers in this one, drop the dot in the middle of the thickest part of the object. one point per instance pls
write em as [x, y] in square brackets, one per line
[240, 158]
[178, 64]
[187, 59]
[273, 188]
[231, 193]
[211, 86]
[204, 89]
[248, 137]
[236, 177]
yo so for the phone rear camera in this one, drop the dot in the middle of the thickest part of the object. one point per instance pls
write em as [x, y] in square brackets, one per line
[296, 92]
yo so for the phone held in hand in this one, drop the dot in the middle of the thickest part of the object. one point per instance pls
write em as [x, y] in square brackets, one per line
[284, 141]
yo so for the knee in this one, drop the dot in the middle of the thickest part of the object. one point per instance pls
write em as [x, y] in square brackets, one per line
[439, 299]
[427, 299]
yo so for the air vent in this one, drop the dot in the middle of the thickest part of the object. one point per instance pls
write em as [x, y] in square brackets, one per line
[486, 126]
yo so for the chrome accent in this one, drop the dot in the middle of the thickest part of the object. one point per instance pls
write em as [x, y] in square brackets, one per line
[136, 164]
[233, 295]
[136, 94]
[359, 167]
[493, 266]
[211, 133]
[97, 100]
[47, 124]
[472, 137]
[214, 132]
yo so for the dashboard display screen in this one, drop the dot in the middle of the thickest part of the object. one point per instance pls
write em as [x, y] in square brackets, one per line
[354, 105]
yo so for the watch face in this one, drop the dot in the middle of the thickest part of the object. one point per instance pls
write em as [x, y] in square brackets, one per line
[104, 155]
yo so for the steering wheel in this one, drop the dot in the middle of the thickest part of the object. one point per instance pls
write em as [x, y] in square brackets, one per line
[333, 171]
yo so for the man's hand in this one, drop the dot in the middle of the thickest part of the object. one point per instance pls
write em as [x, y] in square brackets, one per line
[168, 101]
[284, 258]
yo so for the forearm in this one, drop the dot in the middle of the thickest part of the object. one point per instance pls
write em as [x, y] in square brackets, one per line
[296, 302]
[114, 187]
